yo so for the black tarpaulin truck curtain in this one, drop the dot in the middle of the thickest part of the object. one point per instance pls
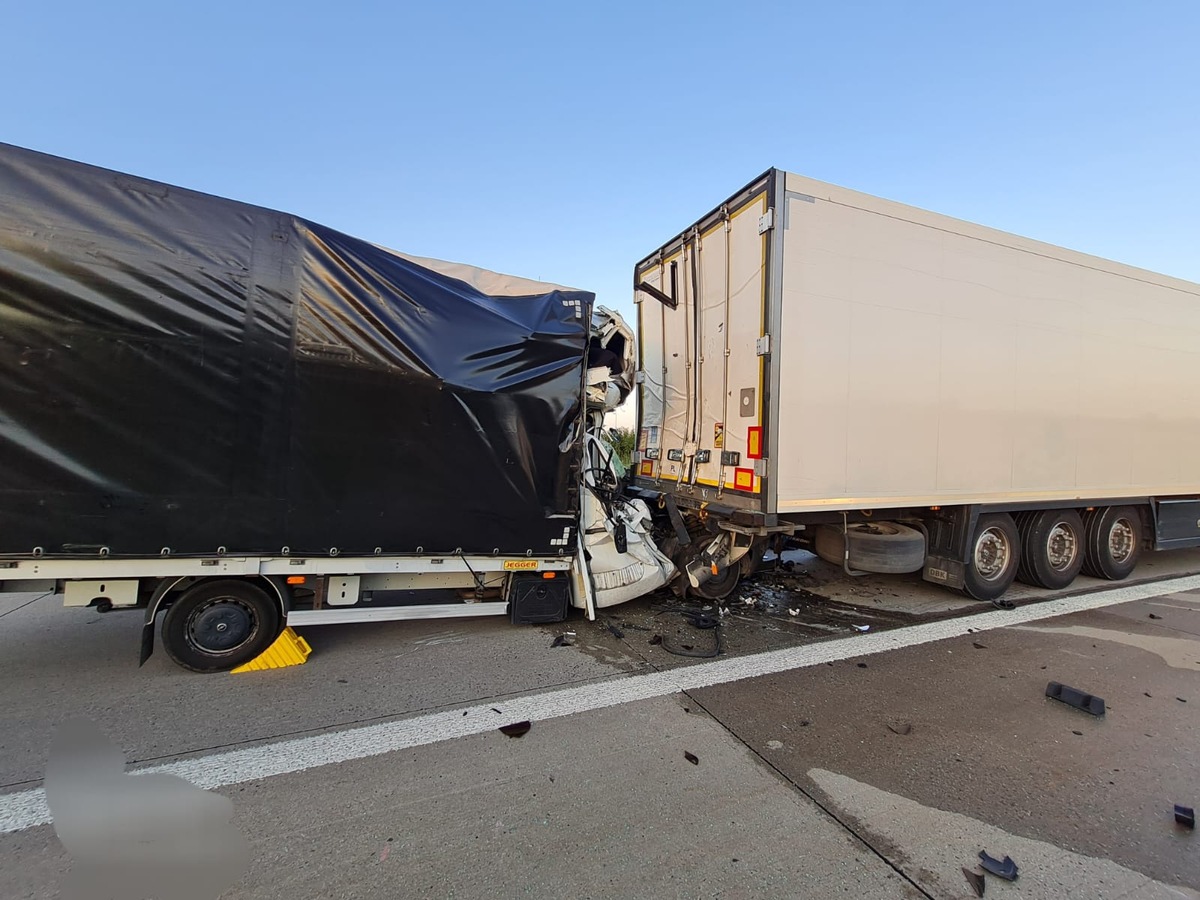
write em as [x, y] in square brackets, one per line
[187, 372]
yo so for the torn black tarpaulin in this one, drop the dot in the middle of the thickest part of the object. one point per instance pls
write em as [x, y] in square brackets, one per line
[184, 372]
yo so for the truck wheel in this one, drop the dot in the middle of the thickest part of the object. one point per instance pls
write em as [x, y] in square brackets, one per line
[218, 625]
[992, 557]
[1112, 542]
[884, 547]
[720, 586]
[1051, 547]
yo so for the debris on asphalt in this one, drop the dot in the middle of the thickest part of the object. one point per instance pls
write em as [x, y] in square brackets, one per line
[778, 745]
[1147, 693]
[1080, 733]
[566, 639]
[804, 723]
[1181, 700]
[703, 623]
[1001, 603]
[496, 711]
[1185, 816]
[899, 728]
[1153, 616]
[1076, 698]
[978, 646]
[975, 880]
[861, 628]
[616, 632]
[861, 665]
[516, 729]
[793, 612]
[655, 639]
[1005, 868]
[691, 757]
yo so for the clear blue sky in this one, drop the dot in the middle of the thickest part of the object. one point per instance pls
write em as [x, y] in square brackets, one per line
[562, 141]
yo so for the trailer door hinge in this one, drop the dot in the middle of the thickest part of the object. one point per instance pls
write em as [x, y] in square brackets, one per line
[766, 221]
[760, 468]
[762, 346]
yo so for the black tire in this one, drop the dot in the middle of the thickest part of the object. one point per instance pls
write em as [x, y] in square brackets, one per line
[1112, 542]
[219, 625]
[993, 557]
[1052, 547]
[884, 547]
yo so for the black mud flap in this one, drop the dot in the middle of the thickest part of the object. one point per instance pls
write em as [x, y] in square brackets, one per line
[147, 642]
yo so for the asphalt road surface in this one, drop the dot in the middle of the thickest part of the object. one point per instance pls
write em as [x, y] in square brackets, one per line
[811, 758]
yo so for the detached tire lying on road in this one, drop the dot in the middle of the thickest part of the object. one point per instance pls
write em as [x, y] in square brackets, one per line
[219, 625]
[884, 547]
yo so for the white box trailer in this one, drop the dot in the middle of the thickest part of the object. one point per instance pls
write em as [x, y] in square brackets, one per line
[905, 390]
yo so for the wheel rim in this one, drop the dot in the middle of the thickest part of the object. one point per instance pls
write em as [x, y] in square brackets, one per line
[1062, 547]
[1122, 540]
[221, 626]
[992, 553]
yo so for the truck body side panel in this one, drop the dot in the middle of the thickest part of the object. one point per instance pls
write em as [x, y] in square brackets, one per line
[182, 372]
[928, 361]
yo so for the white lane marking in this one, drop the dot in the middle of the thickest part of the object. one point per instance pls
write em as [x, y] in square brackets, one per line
[28, 808]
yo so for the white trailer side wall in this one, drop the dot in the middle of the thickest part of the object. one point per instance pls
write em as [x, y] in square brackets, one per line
[923, 360]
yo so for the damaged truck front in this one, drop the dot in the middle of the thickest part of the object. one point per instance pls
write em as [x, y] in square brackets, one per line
[235, 419]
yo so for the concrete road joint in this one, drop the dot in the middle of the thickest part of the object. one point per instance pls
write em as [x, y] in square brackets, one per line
[28, 809]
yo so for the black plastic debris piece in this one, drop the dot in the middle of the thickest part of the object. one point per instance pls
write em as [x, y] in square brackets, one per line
[978, 646]
[656, 639]
[691, 757]
[975, 880]
[558, 642]
[1080, 733]
[1147, 693]
[804, 723]
[1185, 816]
[900, 728]
[1181, 700]
[1005, 868]
[1154, 616]
[862, 665]
[1076, 698]
[616, 632]
[496, 711]
[1001, 603]
[516, 729]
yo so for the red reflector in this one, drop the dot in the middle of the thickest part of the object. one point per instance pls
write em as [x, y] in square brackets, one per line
[296, 579]
[754, 443]
[549, 574]
[743, 479]
[647, 469]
